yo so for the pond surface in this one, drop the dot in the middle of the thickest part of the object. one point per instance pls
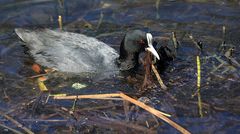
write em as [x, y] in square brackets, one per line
[108, 20]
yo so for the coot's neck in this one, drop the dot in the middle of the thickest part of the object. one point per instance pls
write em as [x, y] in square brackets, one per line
[127, 60]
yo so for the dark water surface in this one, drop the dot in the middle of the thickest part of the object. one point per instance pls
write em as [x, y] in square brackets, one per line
[200, 18]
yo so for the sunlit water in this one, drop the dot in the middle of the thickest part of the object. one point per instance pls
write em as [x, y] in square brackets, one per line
[108, 21]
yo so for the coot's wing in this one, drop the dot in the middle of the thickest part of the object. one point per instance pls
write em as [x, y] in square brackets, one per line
[67, 52]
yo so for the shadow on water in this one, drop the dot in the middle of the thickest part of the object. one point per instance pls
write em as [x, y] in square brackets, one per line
[108, 20]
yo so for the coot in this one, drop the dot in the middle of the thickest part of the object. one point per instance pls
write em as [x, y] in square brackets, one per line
[76, 53]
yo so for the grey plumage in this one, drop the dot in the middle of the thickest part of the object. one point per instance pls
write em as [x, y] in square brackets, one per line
[69, 52]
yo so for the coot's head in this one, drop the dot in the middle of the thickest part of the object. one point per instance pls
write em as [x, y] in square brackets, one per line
[132, 45]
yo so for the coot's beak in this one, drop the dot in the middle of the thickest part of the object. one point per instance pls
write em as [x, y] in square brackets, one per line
[150, 47]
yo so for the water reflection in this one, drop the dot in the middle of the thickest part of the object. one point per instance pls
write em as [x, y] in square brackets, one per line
[203, 19]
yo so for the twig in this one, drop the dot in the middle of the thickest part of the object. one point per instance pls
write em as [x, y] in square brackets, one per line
[42, 120]
[106, 122]
[60, 22]
[156, 113]
[102, 96]
[175, 42]
[216, 68]
[147, 76]
[16, 123]
[223, 34]
[16, 107]
[223, 38]
[11, 129]
[199, 85]
[160, 81]
[126, 108]
[6, 97]
[157, 8]
[194, 42]
[36, 76]
[96, 108]
[170, 95]
[198, 72]
[100, 20]
[97, 96]
[119, 99]
[208, 106]
[74, 104]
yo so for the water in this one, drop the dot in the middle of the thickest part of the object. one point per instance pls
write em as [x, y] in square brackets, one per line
[108, 21]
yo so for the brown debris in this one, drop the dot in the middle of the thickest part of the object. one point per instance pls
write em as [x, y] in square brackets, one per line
[155, 112]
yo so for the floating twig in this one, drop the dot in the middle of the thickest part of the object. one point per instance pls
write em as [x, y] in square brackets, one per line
[95, 96]
[100, 20]
[234, 63]
[96, 108]
[216, 68]
[199, 85]
[157, 8]
[16, 123]
[160, 81]
[39, 75]
[229, 53]
[99, 96]
[223, 38]
[155, 112]
[195, 42]
[6, 97]
[106, 122]
[175, 42]
[198, 72]
[60, 22]
[11, 129]
[44, 120]
[74, 105]
[223, 34]
[208, 106]
[147, 62]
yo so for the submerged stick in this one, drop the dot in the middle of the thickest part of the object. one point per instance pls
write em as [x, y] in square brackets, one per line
[148, 66]
[199, 85]
[60, 22]
[157, 9]
[160, 81]
[100, 20]
[156, 113]
[36, 76]
[194, 42]
[45, 120]
[175, 42]
[147, 62]
[11, 129]
[198, 72]
[98, 96]
[97, 108]
[159, 114]
[144, 106]
[16, 123]
[95, 96]
[223, 34]
[221, 46]
[123, 126]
